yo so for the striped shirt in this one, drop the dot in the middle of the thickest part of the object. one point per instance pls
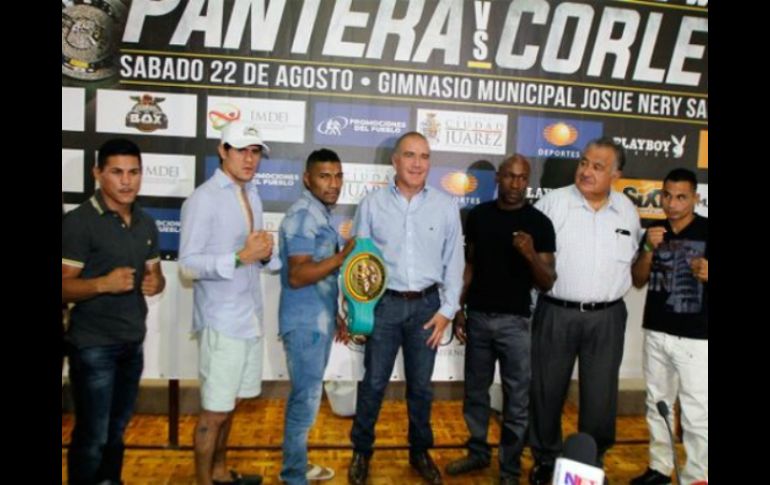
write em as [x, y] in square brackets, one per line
[215, 226]
[594, 249]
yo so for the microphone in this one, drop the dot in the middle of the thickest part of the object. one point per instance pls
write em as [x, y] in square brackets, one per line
[578, 465]
[663, 410]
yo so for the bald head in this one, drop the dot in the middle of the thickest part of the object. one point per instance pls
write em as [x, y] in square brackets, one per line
[411, 160]
[405, 136]
[517, 160]
[512, 182]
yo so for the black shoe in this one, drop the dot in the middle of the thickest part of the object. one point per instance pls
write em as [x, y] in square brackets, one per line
[466, 464]
[541, 474]
[651, 477]
[238, 479]
[359, 469]
[422, 462]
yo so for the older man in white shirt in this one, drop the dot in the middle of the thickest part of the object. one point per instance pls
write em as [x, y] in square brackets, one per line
[583, 316]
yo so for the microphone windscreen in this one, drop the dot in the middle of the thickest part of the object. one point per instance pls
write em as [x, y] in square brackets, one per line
[580, 447]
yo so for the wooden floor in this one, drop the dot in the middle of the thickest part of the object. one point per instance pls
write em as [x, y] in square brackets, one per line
[257, 434]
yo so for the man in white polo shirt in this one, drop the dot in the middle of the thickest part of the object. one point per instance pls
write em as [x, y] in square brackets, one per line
[583, 316]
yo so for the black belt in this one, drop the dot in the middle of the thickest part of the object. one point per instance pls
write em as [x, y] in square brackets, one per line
[413, 295]
[582, 306]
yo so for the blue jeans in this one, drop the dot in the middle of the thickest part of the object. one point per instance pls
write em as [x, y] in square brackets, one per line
[307, 352]
[104, 382]
[398, 323]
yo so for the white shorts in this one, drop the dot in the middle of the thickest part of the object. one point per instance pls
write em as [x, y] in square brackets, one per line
[230, 368]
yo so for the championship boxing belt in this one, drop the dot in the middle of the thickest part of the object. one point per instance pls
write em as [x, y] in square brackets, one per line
[363, 283]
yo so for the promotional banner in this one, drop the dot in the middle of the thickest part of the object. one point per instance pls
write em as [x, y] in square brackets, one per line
[480, 79]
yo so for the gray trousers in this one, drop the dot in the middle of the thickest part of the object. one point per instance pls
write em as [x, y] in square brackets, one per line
[504, 338]
[559, 336]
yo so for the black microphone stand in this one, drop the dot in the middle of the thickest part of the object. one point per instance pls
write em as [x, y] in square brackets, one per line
[663, 410]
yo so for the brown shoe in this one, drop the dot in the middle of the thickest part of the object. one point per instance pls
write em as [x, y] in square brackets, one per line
[424, 465]
[359, 469]
[466, 464]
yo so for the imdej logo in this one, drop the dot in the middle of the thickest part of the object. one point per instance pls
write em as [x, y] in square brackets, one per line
[222, 114]
[459, 183]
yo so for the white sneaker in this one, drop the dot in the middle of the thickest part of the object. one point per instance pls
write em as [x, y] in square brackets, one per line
[319, 473]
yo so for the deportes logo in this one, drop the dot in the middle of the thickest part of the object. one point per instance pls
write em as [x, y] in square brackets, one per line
[552, 137]
[560, 134]
[459, 183]
[468, 188]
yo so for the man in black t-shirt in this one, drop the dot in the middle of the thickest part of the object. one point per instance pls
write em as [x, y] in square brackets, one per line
[110, 263]
[674, 261]
[509, 248]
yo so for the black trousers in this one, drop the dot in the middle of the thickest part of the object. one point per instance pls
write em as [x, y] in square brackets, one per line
[559, 336]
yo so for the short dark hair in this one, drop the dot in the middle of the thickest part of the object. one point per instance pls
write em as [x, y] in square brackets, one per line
[117, 146]
[682, 175]
[228, 146]
[321, 155]
[408, 135]
[607, 142]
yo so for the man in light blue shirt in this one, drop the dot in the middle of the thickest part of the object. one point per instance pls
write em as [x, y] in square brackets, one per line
[223, 249]
[307, 314]
[418, 230]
